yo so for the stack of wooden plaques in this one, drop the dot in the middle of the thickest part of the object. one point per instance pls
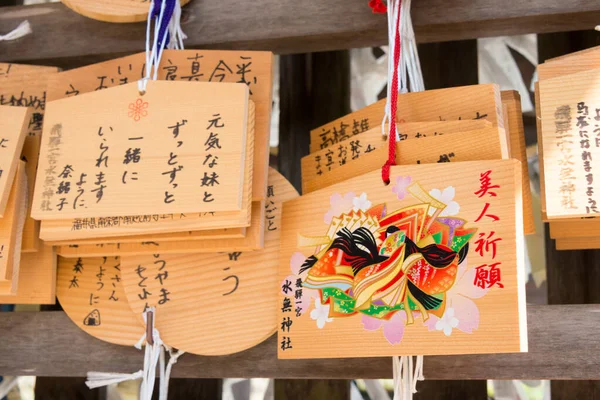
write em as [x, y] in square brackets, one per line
[201, 299]
[33, 267]
[133, 230]
[189, 225]
[568, 124]
[447, 125]
[440, 247]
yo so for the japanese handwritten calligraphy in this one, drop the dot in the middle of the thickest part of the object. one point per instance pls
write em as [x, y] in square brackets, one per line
[213, 290]
[90, 291]
[476, 102]
[182, 242]
[487, 275]
[484, 144]
[27, 81]
[254, 69]
[164, 178]
[115, 228]
[570, 133]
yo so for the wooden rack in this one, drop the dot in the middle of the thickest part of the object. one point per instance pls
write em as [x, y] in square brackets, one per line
[287, 26]
[563, 343]
[564, 339]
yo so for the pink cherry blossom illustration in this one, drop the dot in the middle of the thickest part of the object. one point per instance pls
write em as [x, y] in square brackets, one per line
[460, 299]
[393, 329]
[401, 186]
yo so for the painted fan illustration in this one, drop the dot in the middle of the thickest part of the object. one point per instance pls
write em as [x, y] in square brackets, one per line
[378, 264]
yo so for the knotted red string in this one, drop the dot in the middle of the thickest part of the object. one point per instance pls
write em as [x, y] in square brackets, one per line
[385, 170]
[378, 6]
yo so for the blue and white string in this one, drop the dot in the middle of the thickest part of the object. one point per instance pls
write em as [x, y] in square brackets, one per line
[165, 15]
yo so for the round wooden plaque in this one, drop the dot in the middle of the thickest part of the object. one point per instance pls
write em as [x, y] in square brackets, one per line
[90, 291]
[120, 11]
[213, 304]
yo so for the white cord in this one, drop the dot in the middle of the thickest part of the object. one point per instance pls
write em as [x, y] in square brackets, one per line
[147, 374]
[409, 67]
[23, 29]
[406, 375]
[99, 379]
[151, 357]
[164, 380]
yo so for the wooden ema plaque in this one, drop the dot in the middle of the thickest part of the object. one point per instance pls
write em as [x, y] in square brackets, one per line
[570, 233]
[13, 71]
[345, 145]
[11, 231]
[347, 150]
[202, 300]
[578, 243]
[175, 149]
[485, 144]
[253, 68]
[511, 100]
[37, 279]
[90, 291]
[193, 243]
[444, 242]
[460, 103]
[151, 227]
[25, 86]
[573, 63]
[120, 11]
[569, 120]
[14, 122]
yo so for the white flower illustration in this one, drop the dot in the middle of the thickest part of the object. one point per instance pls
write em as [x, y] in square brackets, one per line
[320, 314]
[447, 322]
[361, 203]
[447, 197]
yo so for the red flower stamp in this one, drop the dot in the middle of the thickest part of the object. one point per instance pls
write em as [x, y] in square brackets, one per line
[138, 109]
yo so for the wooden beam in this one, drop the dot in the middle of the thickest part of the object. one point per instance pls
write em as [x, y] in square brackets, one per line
[563, 344]
[288, 26]
[300, 389]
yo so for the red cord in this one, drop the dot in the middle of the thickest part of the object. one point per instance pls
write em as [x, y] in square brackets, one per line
[377, 6]
[385, 170]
